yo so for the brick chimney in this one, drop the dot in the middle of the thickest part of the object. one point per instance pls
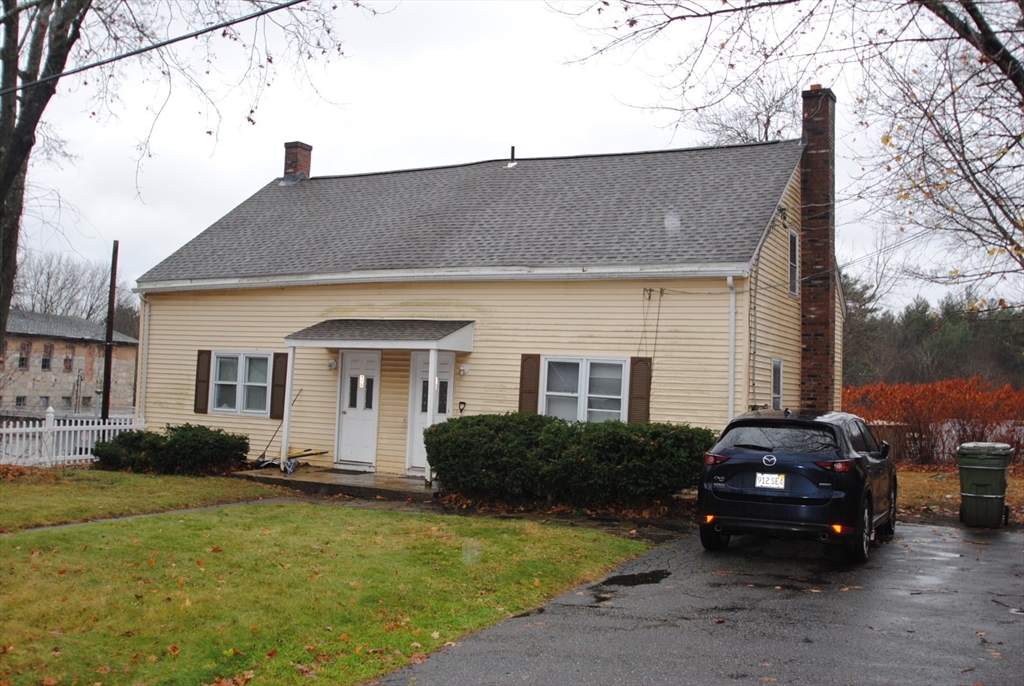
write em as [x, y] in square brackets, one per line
[297, 158]
[817, 252]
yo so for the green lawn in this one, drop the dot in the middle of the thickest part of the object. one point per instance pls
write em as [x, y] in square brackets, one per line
[47, 497]
[271, 593]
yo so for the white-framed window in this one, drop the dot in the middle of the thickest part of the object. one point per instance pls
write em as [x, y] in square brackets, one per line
[584, 389]
[794, 263]
[241, 383]
[776, 384]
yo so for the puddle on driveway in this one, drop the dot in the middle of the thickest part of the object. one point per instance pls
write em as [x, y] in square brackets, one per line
[640, 579]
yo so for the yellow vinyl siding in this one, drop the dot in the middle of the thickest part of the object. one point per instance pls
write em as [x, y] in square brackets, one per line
[775, 320]
[685, 330]
[393, 426]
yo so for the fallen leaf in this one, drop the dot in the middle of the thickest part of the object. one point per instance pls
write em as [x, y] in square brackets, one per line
[174, 650]
[719, 621]
[50, 681]
[272, 652]
[452, 644]
[62, 572]
[436, 634]
[199, 563]
[151, 658]
[414, 644]
[344, 637]
[304, 670]
[214, 549]
[536, 583]
[418, 658]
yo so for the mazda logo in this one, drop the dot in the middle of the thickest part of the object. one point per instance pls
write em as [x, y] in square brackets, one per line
[768, 460]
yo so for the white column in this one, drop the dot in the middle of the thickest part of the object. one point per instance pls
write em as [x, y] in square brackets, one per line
[431, 403]
[732, 347]
[286, 422]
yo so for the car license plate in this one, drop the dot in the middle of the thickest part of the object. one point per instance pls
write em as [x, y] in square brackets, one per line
[770, 480]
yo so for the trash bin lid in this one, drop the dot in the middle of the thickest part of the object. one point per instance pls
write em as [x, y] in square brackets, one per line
[978, 448]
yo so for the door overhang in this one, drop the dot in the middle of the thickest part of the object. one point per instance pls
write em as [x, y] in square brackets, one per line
[386, 334]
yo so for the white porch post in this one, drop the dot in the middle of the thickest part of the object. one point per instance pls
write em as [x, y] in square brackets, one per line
[286, 422]
[431, 403]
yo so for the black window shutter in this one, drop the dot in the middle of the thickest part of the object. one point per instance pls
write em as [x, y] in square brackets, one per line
[277, 385]
[202, 399]
[639, 390]
[529, 384]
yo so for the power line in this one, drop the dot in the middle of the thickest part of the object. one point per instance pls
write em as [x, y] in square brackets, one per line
[156, 46]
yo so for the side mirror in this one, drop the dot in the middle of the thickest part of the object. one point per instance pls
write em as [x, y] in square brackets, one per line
[885, 449]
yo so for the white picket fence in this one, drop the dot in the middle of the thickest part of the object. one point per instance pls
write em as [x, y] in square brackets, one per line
[55, 442]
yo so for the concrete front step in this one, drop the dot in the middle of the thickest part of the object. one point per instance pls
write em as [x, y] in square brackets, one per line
[323, 481]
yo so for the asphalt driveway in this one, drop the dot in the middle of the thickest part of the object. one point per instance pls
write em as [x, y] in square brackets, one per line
[938, 605]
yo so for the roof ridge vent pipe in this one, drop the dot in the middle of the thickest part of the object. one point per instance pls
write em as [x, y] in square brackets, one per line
[512, 158]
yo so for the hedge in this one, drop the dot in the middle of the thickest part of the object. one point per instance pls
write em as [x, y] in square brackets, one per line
[187, 450]
[926, 422]
[520, 458]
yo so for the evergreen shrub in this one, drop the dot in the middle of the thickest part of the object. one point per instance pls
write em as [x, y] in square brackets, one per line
[186, 450]
[520, 458]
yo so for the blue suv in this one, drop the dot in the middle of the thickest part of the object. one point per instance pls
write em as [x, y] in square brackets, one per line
[804, 475]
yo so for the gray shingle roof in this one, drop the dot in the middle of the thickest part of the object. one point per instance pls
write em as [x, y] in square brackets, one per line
[380, 329]
[676, 207]
[58, 326]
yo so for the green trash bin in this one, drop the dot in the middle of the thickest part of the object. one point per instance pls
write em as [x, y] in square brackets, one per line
[983, 483]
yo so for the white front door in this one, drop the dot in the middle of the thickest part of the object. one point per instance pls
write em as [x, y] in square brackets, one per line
[358, 401]
[418, 393]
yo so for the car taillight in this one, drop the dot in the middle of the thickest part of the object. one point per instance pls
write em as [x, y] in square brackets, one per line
[836, 466]
[711, 459]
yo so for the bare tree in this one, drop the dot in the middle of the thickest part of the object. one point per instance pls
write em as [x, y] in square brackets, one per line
[44, 39]
[57, 283]
[942, 88]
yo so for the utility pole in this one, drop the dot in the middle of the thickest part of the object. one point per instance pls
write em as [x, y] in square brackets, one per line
[108, 356]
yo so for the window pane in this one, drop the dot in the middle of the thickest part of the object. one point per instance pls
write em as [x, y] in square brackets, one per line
[442, 397]
[562, 407]
[605, 379]
[255, 398]
[256, 369]
[423, 399]
[227, 369]
[353, 391]
[564, 377]
[610, 404]
[602, 416]
[368, 404]
[223, 396]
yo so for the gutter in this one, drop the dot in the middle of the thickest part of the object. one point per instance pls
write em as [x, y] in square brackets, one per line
[699, 271]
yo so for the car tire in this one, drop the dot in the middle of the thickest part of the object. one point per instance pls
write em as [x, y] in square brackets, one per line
[713, 540]
[885, 531]
[859, 546]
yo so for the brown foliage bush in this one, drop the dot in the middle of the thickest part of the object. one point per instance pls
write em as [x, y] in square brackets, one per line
[925, 423]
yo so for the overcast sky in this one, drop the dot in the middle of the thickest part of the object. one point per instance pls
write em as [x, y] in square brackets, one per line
[422, 84]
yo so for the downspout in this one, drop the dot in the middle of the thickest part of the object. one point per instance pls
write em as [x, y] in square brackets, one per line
[287, 419]
[732, 346]
[143, 363]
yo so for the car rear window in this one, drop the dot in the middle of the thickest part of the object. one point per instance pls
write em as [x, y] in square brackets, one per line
[782, 439]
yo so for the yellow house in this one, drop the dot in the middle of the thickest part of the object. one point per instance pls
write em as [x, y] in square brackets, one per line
[342, 315]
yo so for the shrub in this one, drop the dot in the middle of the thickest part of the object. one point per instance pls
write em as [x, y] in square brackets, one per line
[529, 458]
[188, 449]
[926, 422]
[129, 451]
[196, 450]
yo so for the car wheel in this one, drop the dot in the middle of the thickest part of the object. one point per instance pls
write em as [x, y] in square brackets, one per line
[885, 531]
[859, 546]
[713, 540]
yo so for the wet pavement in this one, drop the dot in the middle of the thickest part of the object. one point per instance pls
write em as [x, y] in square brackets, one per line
[938, 605]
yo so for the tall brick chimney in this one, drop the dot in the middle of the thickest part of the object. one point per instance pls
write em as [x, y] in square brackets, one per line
[297, 158]
[817, 252]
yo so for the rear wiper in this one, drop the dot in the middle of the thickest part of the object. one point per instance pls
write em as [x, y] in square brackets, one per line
[750, 446]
